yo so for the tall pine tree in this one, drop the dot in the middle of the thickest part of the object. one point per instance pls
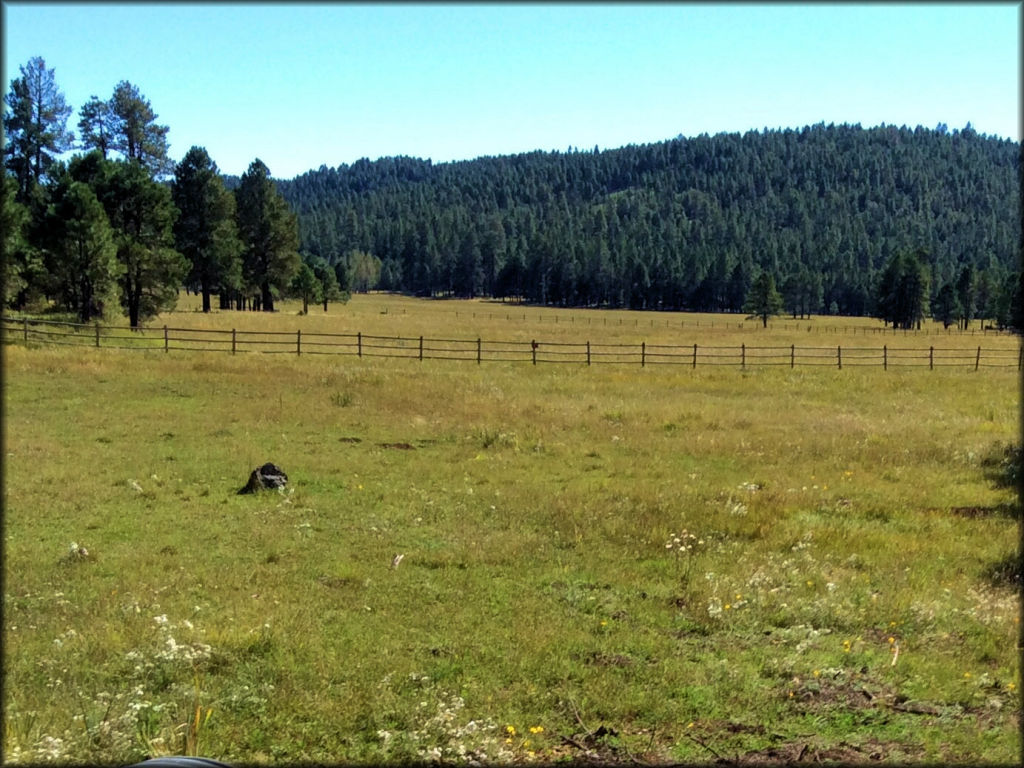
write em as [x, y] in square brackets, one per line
[35, 125]
[269, 233]
[205, 231]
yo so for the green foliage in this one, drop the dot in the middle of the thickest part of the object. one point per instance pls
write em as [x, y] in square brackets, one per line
[902, 293]
[269, 233]
[802, 293]
[205, 231]
[35, 125]
[329, 288]
[966, 289]
[18, 258]
[764, 300]
[306, 286]
[680, 224]
[135, 133]
[946, 307]
[141, 214]
[80, 257]
[1007, 305]
[97, 126]
[363, 271]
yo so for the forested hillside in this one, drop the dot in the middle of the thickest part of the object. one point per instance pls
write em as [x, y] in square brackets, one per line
[686, 223]
[891, 222]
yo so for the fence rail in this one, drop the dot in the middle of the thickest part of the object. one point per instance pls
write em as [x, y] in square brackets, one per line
[823, 324]
[478, 350]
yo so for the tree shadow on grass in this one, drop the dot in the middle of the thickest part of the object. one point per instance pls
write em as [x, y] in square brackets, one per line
[1006, 572]
[1002, 467]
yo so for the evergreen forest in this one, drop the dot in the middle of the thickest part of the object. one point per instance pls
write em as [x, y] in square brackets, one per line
[890, 222]
[687, 223]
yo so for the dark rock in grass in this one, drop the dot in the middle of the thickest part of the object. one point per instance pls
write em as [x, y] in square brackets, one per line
[267, 477]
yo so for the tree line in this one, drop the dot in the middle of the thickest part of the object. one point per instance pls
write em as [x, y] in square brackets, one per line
[121, 227]
[889, 222]
[839, 217]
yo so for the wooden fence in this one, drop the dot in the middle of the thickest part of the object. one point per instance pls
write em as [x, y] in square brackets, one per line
[823, 324]
[166, 339]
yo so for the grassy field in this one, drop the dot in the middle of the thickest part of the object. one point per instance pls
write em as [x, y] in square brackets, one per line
[659, 564]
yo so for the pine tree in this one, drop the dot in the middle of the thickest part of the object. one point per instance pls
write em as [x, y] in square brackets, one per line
[946, 307]
[269, 233]
[965, 294]
[96, 125]
[81, 258]
[205, 231]
[135, 132]
[35, 125]
[329, 288]
[306, 286]
[19, 261]
[903, 288]
[764, 300]
[141, 214]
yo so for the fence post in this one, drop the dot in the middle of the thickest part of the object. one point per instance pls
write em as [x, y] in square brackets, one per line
[25, 321]
[588, 355]
[165, 339]
[885, 358]
[792, 355]
[97, 335]
[643, 353]
[977, 360]
[232, 341]
[298, 342]
[743, 355]
[1020, 357]
[695, 353]
[533, 348]
[839, 357]
[931, 358]
[478, 350]
[421, 348]
[359, 343]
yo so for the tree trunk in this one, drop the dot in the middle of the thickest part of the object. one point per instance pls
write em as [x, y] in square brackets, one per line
[206, 297]
[267, 298]
[133, 312]
[325, 303]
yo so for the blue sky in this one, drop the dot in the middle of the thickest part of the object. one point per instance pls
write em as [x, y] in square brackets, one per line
[304, 85]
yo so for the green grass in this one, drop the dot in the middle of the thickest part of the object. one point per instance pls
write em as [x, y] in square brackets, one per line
[533, 506]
